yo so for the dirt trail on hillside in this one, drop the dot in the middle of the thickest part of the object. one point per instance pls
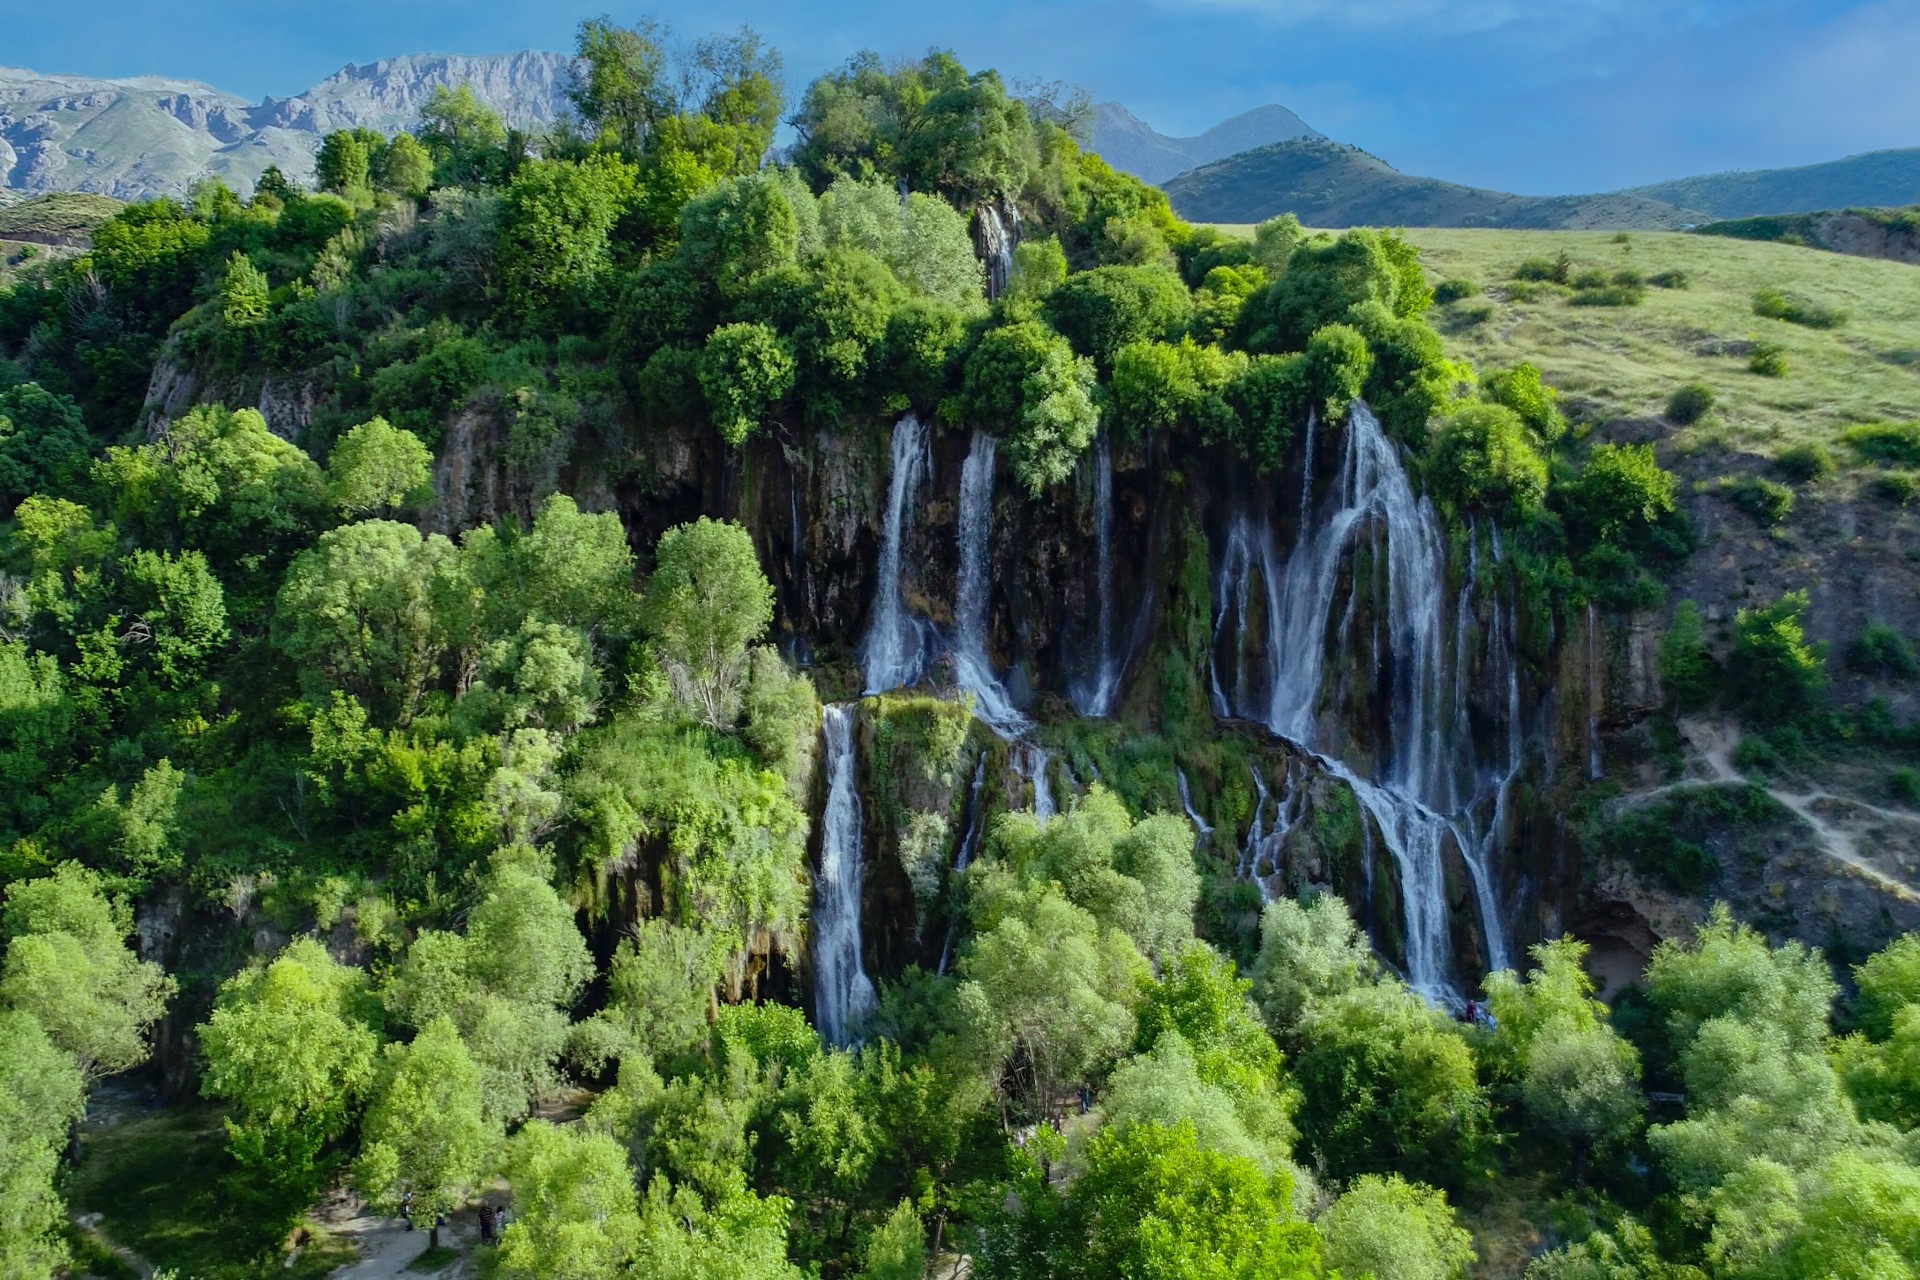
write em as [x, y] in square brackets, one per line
[1821, 811]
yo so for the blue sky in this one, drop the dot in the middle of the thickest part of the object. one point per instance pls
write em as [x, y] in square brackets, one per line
[1541, 97]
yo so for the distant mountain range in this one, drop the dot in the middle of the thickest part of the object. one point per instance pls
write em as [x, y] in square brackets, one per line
[1877, 179]
[148, 136]
[1331, 184]
[1131, 145]
[151, 136]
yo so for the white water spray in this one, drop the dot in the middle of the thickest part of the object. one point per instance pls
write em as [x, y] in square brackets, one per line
[1095, 691]
[973, 669]
[1424, 769]
[843, 994]
[895, 651]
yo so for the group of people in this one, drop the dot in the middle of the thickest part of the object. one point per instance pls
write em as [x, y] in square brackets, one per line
[1477, 1014]
[492, 1221]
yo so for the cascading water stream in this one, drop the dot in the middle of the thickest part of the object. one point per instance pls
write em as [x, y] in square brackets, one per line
[1095, 692]
[895, 651]
[1594, 766]
[997, 241]
[1260, 858]
[973, 669]
[1200, 824]
[843, 993]
[969, 845]
[1425, 767]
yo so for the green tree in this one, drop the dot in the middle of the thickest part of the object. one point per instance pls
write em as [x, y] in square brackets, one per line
[506, 984]
[466, 138]
[741, 230]
[1389, 1085]
[1102, 310]
[1155, 1204]
[377, 469]
[556, 225]
[41, 1094]
[1484, 462]
[361, 613]
[1687, 668]
[1889, 981]
[344, 165]
[661, 988]
[425, 1141]
[1046, 985]
[1774, 669]
[1622, 496]
[289, 1048]
[1309, 954]
[1576, 1077]
[1025, 379]
[1392, 1229]
[706, 602]
[576, 1208]
[404, 168]
[1521, 390]
[67, 964]
[897, 1248]
[619, 84]
[43, 443]
[744, 370]
[923, 242]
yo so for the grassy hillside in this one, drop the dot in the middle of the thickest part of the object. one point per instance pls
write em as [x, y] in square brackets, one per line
[1877, 178]
[1866, 233]
[66, 217]
[1624, 362]
[1330, 184]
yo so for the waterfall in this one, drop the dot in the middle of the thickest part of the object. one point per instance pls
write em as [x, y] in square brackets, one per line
[1423, 771]
[969, 845]
[1594, 768]
[973, 669]
[998, 235]
[1260, 857]
[843, 994]
[1043, 805]
[895, 650]
[1200, 824]
[1094, 692]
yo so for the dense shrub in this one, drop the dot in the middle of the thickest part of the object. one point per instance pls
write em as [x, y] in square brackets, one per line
[1690, 403]
[1556, 270]
[1622, 496]
[1892, 444]
[1687, 669]
[1879, 650]
[1453, 290]
[1794, 309]
[1776, 672]
[1897, 487]
[1521, 390]
[1767, 501]
[1766, 358]
[1805, 463]
[1483, 461]
[1675, 279]
[1327, 281]
[1102, 310]
[1025, 382]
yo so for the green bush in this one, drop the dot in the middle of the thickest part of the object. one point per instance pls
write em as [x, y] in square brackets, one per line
[1484, 461]
[1805, 463]
[1611, 294]
[1794, 309]
[1897, 487]
[1903, 784]
[1891, 444]
[1454, 290]
[1767, 501]
[1522, 390]
[1879, 650]
[1102, 310]
[1690, 403]
[1556, 270]
[1675, 279]
[1591, 278]
[1774, 669]
[1687, 669]
[1467, 315]
[1766, 358]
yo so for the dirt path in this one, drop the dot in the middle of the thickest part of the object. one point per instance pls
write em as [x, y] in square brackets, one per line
[384, 1247]
[1715, 742]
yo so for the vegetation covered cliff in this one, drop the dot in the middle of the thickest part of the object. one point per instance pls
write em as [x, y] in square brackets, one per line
[422, 592]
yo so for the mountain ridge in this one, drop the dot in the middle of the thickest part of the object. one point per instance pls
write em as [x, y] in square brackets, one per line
[1334, 184]
[141, 136]
[1133, 146]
